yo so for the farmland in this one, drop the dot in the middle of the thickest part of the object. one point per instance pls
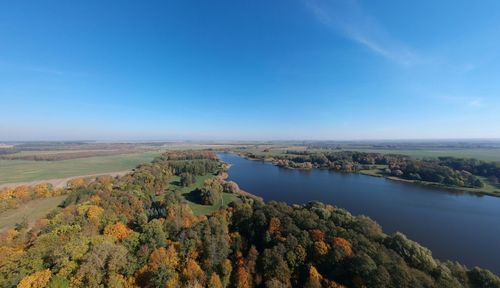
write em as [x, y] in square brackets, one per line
[13, 171]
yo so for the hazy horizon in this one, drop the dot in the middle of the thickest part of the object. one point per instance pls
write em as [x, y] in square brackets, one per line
[229, 141]
[305, 69]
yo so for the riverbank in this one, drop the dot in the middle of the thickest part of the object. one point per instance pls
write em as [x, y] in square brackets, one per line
[443, 221]
[223, 176]
[476, 191]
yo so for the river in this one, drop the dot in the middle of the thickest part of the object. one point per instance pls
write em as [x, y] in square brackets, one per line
[454, 226]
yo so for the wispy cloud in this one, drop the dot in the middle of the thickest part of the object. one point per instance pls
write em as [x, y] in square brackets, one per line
[348, 18]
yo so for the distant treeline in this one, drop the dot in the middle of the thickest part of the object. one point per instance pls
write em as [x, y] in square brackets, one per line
[443, 170]
[132, 232]
[394, 145]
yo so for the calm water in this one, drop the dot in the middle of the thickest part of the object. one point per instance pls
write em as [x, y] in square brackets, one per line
[461, 227]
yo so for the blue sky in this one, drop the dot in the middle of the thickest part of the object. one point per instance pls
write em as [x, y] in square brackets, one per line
[249, 70]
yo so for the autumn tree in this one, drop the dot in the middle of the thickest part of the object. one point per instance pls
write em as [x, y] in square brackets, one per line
[343, 244]
[193, 275]
[163, 264]
[118, 230]
[314, 278]
[214, 281]
[36, 280]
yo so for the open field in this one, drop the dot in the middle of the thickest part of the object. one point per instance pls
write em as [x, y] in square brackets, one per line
[32, 211]
[12, 171]
[199, 209]
[485, 154]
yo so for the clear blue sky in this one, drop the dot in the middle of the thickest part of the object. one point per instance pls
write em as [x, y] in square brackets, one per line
[170, 70]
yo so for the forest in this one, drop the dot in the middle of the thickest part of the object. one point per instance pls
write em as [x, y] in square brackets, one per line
[448, 171]
[133, 231]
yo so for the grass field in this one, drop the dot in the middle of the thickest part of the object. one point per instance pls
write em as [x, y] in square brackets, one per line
[22, 171]
[32, 211]
[199, 209]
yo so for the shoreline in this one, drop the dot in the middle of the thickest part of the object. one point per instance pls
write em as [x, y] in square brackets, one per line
[392, 178]
[223, 175]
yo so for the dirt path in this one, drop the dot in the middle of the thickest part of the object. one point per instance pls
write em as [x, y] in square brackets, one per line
[61, 182]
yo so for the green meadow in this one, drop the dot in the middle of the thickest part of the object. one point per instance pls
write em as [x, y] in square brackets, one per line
[24, 171]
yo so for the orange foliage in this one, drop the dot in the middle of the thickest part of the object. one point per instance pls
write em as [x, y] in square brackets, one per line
[163, 258]
[118, 230]
[317, 235]
[274, 226]
[215, 281]
[343, 244]
[193, 272]
[242, 278]
[36, 280]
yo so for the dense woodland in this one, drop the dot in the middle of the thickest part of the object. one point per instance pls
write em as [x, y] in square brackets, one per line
[133, 232]
[443, 170]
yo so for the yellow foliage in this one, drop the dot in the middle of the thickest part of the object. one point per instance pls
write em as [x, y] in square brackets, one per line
[77, 183]
[320, 248]
[173, 282]
[67, 269]
[22, 192]
[94, 212]
[314, 274]
[42, 190]
[8, 254]
[6, 193]
[118, 230]
[36, 280]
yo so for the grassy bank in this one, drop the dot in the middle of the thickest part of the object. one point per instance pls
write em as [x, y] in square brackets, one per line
[31, 211]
